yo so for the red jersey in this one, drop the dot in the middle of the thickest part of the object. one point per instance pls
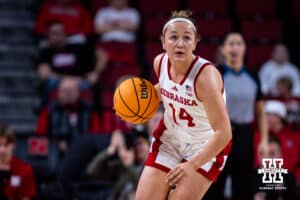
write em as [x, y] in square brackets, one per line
[290, 148]
[21, 183]
[74, 18]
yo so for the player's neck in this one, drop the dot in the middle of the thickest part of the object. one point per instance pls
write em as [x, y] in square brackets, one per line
[181, 68]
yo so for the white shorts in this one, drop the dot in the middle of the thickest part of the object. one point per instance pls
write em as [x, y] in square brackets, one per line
[165, 156]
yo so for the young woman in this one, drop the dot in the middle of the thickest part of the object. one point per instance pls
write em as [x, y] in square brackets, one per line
[191, 144]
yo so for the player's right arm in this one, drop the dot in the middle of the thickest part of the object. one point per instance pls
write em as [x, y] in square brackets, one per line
[156, 67]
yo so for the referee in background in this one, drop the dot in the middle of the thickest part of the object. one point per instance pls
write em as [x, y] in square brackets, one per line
[245, 104]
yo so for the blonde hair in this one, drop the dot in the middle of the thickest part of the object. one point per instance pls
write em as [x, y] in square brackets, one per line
[181, 15]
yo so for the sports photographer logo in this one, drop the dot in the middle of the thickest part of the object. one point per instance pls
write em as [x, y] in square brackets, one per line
[272, 170]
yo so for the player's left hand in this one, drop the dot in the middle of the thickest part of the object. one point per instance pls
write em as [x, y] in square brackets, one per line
[179, 172]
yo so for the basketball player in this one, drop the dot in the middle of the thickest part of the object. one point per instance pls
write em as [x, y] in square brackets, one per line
[191, 144]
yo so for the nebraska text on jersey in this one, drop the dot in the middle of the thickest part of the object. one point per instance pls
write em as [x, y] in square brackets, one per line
[177, 98]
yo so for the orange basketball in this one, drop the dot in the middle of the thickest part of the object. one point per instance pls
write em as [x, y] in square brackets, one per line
[135, 100]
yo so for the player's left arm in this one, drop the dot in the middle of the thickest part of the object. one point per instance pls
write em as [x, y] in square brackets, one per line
[209, 87]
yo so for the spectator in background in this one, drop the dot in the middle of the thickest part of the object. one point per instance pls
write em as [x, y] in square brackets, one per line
[59, 58]
[132, 151]
[16, 177]
[68, 117]
[284, 87]
[117, 25]
[276, 113]
[71, 14]
[126, 186]
[275, 151]
[117, 22]
[277, 67]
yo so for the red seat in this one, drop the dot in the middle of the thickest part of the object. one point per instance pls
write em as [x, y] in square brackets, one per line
[262, 32]
[126, 70]
[153, 27]
[107, 99]
[206, 51]
[85, 94]
[296, 14]
[96, 5]
[258, 55]
[157, 7]
[256, 9]
[152, 50]
[112, 73]
[296, 8]
[209, 9]
[213, 30]
[111, 122]
[120, 52]
[38, 146]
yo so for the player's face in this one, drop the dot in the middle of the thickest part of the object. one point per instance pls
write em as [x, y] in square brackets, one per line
[179, 41]
[234, 47]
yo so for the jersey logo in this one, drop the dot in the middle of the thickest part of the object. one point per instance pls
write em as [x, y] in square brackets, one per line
[177, 98]
[174, 88]
[189, 90]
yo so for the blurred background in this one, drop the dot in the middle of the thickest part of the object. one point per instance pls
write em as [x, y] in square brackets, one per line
[60, 61]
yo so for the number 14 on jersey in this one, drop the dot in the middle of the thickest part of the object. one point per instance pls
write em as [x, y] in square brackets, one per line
[183, 115]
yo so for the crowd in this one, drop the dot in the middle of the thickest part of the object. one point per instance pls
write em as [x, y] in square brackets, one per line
[85, 53]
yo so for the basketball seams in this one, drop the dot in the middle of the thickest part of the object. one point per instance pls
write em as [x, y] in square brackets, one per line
[155, 109]
[135, 114]
[140, 117]
[119, 91]
[137, 97]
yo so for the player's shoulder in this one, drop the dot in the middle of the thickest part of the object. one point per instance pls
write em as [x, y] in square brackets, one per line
[157, 63]
[202, 60]
[209, 76]
[158, 58]
[205, 65]
[209, 70]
